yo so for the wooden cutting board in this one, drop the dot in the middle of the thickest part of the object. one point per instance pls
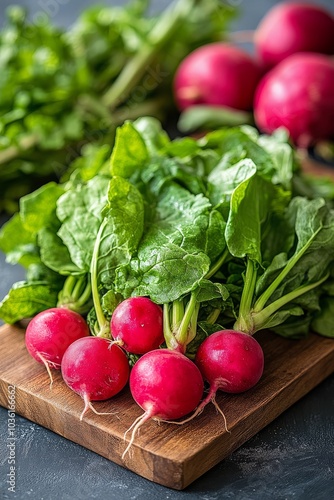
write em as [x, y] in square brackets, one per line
[167, 454]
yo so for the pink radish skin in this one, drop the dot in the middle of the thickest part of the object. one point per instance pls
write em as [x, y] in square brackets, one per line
[230, 361]
[166, 385]
[96, 369]
[137, 324]
[298, 94]
[49, 334]
[292, 27]
[217, 74]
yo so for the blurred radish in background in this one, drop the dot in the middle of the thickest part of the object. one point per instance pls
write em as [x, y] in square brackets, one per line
[292, 27]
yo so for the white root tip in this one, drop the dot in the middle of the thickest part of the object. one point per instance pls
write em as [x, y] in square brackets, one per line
[132, 425]
[118, 342]
[211, 396]
[88, 405]
[135, 426]
[46, 363]
[213, 399]
[197, 412]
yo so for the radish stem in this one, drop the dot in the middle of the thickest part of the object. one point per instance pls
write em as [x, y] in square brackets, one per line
[261, 317]
[160, 35]
[262, 300]
[244, 321]
[217, 265]
[13, 152]
[102, 328]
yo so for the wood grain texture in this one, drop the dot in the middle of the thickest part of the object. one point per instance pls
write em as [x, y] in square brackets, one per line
[170, 455]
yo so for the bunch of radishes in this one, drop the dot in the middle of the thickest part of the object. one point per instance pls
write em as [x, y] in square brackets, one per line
[288, 81]
[164, 382]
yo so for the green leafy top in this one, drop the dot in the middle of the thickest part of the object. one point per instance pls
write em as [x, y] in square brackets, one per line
[209, 228]
[61, 88]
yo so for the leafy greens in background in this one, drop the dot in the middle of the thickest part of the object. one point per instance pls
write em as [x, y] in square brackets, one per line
[212, 229]
[63, 88]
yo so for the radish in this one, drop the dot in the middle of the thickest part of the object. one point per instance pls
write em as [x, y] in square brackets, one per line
[298, 94]
[49, 334]
[218, 74]
[96, 369]
[231, 361]
[137, 325]
[292, 27]
[166, 385]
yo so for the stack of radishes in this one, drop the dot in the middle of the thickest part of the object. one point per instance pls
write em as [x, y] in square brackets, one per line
[165, 383]
[288, 82]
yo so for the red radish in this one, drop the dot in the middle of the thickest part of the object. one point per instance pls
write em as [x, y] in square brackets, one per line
[166, 385]
[49, 334]
[292, 27]
[230, 361]
[298, 94]
[217, 74]
[95, 368]
[137, 324]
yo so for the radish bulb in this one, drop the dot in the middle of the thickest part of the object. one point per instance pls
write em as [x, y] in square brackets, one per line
[166, 385]
[217, 74]
[96, 369]
[50, 333]
[230, 361]
[298, 94]
[137, 325]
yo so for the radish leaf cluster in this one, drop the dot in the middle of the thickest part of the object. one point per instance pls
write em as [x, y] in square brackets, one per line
[215, 230]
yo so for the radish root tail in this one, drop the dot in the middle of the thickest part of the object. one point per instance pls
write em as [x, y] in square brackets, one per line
[89, 406]
[46, 363]
[118, 342]
[132, 426]
[210, 397]
[213, 400]
[135, 428]
[198, 410]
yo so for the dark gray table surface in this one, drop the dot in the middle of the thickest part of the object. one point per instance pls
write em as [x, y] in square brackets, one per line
[292, 458]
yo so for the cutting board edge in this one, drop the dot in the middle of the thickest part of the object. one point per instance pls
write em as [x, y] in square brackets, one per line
[170, 472]
[315, 377]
